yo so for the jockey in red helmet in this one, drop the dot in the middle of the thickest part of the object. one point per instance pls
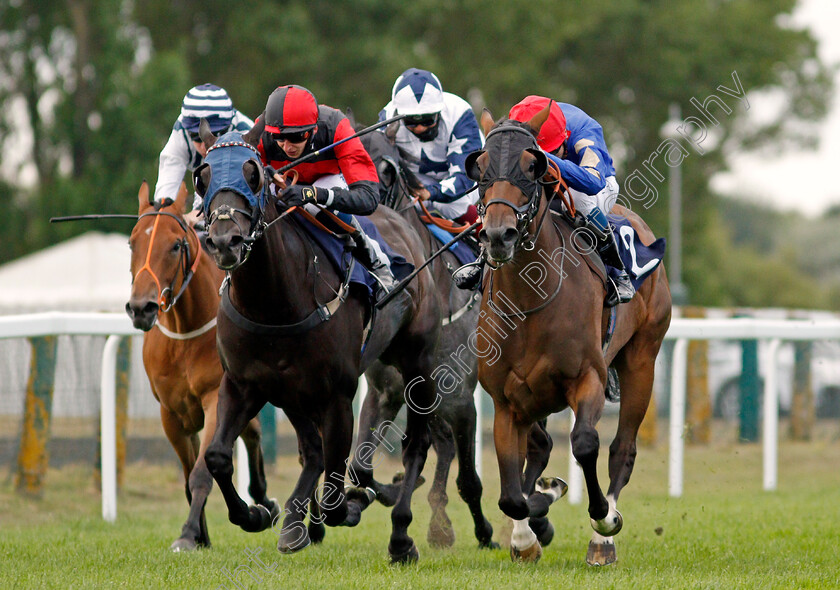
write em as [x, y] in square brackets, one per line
[575, 142]
[343, 179]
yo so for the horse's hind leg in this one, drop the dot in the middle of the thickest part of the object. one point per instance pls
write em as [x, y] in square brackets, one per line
[441, 533]
[468, 482]
[251, 436]
[235, 410]
[382, 403]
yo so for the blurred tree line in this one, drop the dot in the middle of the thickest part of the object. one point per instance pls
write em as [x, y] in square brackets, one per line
[97, 85]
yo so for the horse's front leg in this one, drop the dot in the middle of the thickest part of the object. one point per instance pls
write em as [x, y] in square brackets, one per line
[542, 492]
[340, 507]
[510, 438]
[294, 535]
[234, 412]
[587, 401]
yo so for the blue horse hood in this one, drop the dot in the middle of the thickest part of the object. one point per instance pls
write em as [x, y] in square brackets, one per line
[226, 159]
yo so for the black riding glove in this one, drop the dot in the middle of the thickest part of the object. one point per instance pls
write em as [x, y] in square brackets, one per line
[301, 194]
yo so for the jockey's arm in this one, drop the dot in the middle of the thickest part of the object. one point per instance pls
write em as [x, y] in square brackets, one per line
[464, 139]
[173, 164]
[586, 179]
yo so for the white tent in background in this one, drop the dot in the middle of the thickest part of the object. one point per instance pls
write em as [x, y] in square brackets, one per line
[86, 273]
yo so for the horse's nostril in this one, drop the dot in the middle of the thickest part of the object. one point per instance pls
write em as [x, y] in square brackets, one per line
[510, 235]
[235, 240]
[482, 235]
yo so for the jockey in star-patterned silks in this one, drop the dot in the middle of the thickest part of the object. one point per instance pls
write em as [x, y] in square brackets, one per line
[436, 136]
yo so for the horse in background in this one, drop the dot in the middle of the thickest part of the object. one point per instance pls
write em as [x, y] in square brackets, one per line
[280, 343]
[551, 341]
[453, 422]
[174, 300]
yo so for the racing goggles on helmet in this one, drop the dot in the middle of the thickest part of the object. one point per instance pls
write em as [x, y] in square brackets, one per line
[292, 136]
[424, 120]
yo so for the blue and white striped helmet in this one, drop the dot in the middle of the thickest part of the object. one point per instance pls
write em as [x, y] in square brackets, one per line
[417, 92]
[210, 102]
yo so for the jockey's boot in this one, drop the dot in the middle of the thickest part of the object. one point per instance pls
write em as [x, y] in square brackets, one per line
[467, 277]
[366, 251]
[621, 290]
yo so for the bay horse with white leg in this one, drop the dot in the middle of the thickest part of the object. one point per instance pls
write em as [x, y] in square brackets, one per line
[174, 300]
[550, 341]
[453, 422]
[291, 332]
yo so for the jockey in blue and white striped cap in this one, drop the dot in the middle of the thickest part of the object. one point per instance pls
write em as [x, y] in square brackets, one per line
[208, 101]
[184, 150]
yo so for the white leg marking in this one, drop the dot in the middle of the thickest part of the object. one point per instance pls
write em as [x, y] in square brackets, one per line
[522, 536]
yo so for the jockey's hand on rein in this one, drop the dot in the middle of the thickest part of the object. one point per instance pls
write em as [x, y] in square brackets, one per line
[301, 194]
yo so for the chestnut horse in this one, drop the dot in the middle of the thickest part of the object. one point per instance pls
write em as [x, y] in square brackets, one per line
[174, 299]
[453, 421]
[550, 343]
[281, 344]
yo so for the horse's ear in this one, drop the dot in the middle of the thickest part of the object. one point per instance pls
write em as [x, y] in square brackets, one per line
[391, 131]
[486, 121]
[205, 133]
[471, 165]
[541, 164]
[348, 112]
[537, 120]
[144, 197]
[181, 199]
[201, 179]
[253, 135]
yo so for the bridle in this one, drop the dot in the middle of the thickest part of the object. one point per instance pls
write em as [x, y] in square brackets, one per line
[503, 165]
[165, 299]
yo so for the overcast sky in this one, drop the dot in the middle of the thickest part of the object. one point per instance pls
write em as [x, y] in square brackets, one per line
[815, 187]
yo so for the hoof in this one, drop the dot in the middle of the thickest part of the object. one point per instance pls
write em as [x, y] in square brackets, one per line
[544, 530]
[273, 508]
[183, 544]
[530, 554]
[317, 532]
[608, 526]
[399, 477]
[259, 519]
[601, 553]
[363, 496]
[441, 534]
[554, 487]
[488, 545]
[408, 557]
[293, 539]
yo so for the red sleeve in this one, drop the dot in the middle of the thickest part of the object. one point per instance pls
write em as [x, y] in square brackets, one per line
[353, 159]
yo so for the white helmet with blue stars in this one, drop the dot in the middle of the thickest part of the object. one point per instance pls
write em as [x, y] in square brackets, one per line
[417, 92]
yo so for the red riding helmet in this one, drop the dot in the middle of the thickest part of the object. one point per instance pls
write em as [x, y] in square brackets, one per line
[289, 109]
[553, 132]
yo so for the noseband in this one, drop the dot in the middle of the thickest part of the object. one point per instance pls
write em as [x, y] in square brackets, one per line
[187, 274]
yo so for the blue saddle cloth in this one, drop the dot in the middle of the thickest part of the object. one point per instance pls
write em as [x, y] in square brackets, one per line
[334, 249]
[639, 260]
[462, 252]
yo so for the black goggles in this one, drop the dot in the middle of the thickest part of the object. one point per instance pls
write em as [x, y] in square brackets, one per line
[424, 120]
[292, 137]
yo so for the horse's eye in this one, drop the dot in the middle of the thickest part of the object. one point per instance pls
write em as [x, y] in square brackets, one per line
[176, 247]
[532, 166]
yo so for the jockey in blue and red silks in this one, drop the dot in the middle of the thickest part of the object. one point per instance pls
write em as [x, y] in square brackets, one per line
[575, 142]
[343, 179]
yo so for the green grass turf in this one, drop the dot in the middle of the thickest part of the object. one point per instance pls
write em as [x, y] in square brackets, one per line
[725, 532]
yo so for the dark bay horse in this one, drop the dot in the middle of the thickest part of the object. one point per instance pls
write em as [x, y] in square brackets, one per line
[549, 341]
[174, 300]
[453, 422]
[291, 333]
